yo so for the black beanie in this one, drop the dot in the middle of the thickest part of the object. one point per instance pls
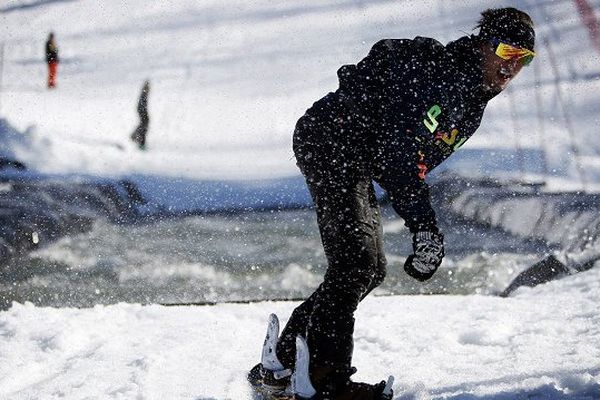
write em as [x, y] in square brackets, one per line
[508, 24]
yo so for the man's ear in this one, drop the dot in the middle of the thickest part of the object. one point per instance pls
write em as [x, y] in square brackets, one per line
[485, 47]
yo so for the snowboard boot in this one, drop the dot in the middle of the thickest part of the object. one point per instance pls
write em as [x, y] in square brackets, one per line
[269, 377]
[332, 383]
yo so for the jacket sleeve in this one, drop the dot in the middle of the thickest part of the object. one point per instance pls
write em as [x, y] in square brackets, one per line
[405, 184]
[412, 85]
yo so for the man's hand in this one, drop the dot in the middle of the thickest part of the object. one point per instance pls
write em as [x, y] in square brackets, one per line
[428, 248]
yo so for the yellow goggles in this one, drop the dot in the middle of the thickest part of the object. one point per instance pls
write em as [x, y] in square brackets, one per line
[509, 52]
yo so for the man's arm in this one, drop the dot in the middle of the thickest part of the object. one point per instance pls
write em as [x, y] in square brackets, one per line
[407, 150]
[408, 191]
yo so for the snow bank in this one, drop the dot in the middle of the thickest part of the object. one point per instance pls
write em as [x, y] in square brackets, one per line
[570, 221]
[38, 208]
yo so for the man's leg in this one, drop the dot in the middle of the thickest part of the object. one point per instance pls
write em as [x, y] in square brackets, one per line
[296, 325]
[143, 128]
[350, 224]
[349, 230]
[52, 69]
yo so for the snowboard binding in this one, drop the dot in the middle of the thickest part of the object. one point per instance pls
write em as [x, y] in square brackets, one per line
[272, 381]
[303, 388]
[269, 379]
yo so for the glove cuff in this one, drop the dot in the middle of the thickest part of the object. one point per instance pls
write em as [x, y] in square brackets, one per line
[423, 235]
[428, 236]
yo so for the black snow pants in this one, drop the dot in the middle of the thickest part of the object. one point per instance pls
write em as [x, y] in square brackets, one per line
[349, 220]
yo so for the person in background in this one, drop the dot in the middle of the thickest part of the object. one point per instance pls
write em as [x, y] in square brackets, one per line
[52, 60]
[139, 135]
[398, 114]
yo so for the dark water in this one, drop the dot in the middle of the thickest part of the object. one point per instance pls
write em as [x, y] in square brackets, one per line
[247, 256]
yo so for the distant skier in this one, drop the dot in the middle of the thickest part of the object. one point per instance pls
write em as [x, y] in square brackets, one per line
[52, 60]
[397, 114]
[139, 135]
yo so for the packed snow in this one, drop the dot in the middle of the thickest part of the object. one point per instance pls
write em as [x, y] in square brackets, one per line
[229, 80]
[544, 343]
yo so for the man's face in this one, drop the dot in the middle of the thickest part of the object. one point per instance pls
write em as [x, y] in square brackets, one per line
[496, 71]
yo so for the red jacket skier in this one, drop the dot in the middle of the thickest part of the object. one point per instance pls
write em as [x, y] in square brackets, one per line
[52, 60]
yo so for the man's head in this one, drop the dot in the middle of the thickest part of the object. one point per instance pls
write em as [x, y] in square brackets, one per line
[507, 39]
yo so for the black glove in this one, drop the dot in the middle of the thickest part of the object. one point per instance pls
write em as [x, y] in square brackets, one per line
[428, 248]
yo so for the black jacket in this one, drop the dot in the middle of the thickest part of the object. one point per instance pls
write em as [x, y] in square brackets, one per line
[397, 114]
[51, 52]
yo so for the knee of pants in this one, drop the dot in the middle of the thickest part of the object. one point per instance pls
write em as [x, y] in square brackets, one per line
[357, 251]
[344, 289]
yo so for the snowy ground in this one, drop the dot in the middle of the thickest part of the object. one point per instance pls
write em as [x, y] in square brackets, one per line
[228, 84]
[542, 344]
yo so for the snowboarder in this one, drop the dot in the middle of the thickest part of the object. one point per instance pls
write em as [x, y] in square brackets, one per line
[139, 134]
[397, 114]
[52, 60]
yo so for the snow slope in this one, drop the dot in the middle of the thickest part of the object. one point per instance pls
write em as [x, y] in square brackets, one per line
[544, 343]
[229, 82]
